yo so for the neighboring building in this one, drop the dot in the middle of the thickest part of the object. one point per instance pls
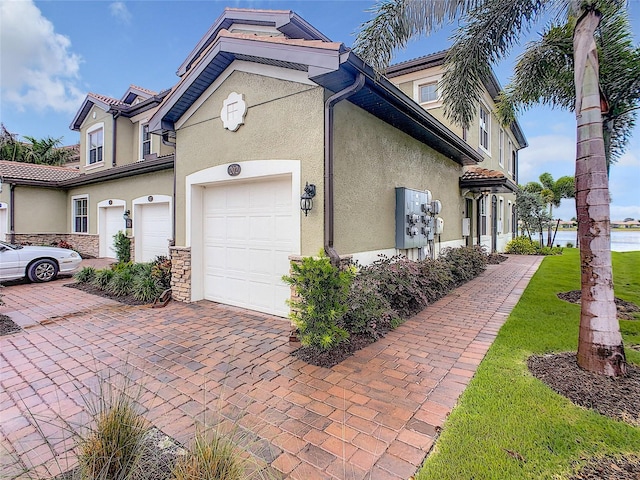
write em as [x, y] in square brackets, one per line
[489, 190]
[265, 105]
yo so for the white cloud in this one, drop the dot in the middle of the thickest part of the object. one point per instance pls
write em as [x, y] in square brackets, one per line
[555, 154]
[38, 69]
[120, 11]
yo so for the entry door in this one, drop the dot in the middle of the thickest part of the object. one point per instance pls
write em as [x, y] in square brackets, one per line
[248, 237]
[494, 223]
[111, 222]
[3, 222]
[468, 212]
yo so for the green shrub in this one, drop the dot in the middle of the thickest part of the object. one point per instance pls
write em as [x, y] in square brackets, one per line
[85, 275]
[213, 458]
[436, 279]
[161, 271]
[145, 288]
[368, 312]
[397, 279]
[122, 244]
[322, 290]
[522, 246]
[121, 282]
[102, 278]
[465, 263]
[549, 251]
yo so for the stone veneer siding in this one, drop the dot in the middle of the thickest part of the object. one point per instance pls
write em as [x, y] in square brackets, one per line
[180, 273]
[86, 245]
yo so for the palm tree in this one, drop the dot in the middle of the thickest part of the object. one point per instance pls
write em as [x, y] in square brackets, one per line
[553, 191]
[488, 30]
[544, 74]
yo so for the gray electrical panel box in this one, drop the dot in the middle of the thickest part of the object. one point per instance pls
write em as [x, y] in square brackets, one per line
[414, 226]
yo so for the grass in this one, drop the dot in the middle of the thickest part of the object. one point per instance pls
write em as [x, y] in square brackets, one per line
[510, 425]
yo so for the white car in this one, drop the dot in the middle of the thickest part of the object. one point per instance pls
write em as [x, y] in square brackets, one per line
[38, 264]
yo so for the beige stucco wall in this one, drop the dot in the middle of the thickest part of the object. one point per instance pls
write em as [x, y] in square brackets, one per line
[125, 151]
[371, 159]
[107, 120]
[284, 121]
[40, 210]
[127, 189]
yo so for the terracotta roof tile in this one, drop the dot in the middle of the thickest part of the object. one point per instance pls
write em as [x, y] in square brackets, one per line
[282, 40]
[146, 90]
[107, 100]
[479, 173]
[40, 173]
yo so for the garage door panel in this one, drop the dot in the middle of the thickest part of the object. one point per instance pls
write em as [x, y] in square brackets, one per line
[249, 239]
[154, 230]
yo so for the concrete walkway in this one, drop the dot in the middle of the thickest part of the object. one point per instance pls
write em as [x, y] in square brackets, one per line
[375, 415]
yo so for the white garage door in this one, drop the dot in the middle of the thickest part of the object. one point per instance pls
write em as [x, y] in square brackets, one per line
[111, 222]
[248, 238]
[153, 231]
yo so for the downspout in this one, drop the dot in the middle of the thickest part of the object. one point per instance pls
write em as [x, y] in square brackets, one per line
[12, 212]
[165, 141]
[116, 114]
[328, 165]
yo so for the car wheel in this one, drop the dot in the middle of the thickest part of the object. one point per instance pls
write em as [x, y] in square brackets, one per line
[42, 271]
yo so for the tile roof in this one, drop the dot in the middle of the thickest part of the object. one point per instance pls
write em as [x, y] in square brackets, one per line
[479, 173]
[107, 100]
[37, 173]
[281, 40]
[146, 90]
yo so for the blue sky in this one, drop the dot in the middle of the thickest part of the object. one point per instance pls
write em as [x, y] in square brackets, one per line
[54, 52]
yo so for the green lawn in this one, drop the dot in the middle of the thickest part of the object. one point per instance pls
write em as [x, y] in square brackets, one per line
[508, 425]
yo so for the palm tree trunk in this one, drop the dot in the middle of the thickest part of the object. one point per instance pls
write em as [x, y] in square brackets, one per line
[600, 347]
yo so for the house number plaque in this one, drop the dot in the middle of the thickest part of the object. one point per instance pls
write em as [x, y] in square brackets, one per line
[234, 170]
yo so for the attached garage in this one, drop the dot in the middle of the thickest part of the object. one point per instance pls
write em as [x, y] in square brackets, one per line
[152, 227]
[248, 235]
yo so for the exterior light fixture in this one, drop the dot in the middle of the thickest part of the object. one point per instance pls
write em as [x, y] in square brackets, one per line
[306, 199]
[128, 222]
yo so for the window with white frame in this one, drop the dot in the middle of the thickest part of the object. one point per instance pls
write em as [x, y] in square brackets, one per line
[428, 92]
[145, 141]
[483, 215]
[80, 214]
[465, 133]
[510, 153]
[501, 147]
[95, 143]
[514, 159]
[485, 127]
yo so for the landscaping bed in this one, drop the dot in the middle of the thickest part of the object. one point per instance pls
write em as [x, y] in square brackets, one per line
[626, 310]
[617, 398]
[89, 288]
[8, 326]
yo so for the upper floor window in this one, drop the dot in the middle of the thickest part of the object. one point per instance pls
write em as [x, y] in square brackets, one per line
[95, 143]
[501, 147]
[485, 128]
[428, 92]
[514, 160]
[509, 161]
[465, 133]
[80, 215]
[145, 141]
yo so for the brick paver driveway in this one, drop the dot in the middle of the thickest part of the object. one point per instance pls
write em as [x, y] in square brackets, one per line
[375, 415]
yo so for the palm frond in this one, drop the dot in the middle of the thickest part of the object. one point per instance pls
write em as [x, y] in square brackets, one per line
[395, 22]
[489, 33]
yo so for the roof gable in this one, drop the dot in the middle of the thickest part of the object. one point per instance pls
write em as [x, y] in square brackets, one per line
[286, 22]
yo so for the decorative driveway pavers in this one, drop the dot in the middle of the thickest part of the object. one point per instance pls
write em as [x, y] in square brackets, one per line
[375, 415]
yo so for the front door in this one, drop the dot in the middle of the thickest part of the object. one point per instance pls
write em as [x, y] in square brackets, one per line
[494, 223]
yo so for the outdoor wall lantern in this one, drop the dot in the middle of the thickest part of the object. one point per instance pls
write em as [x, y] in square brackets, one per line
[127, 219]
[306, 199]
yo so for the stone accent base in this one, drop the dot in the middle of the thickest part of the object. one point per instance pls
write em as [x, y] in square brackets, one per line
[180, 273]
[85, 244]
